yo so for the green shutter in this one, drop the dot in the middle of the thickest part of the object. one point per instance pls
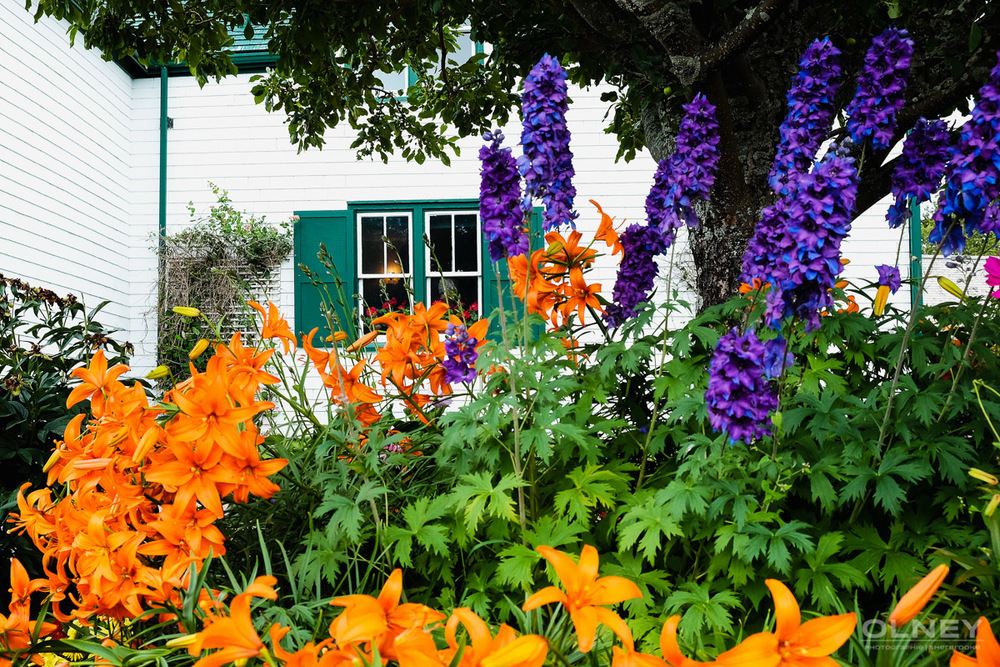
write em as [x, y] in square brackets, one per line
[335, 231]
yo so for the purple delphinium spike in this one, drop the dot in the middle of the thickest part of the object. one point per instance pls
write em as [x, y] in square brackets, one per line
[889, 276]
[547, 163]
[764, 257]
[500, 200]
[810, 113]
[881, 85]
[919, 170]
[739, 395]
[460, 354]
[688, 174]
[819, 218]
[973, 180]
[636, 273]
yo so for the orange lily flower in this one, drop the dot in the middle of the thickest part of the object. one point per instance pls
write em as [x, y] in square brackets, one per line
[793, 643]
[234, 635]
[584, 594]
[671, 650]
[98, 382]
[415, 647]
[756, 285]
[606, 231]
[987, 649]
[378, 621]
[275, 326]
[580, 295]
[915, 599]
[568, 252]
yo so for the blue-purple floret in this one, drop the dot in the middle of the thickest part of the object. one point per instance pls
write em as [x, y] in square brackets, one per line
[889, 276]
[636, 273]
[687, 175]
[547, 163]
[739, 395]
[460, 354]
[810, 113]
[919, 169]
[881, 88]
[973, 173]
[770, 243]
[819, 218]
[500, 200]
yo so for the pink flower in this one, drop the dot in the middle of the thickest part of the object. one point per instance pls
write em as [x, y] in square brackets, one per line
[993, 275]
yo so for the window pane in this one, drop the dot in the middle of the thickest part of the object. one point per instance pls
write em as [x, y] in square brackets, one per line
[383, 295]
[466, 237]
[372, 248]
[394, 83]
[441, 250]
[460, 293]
[398, 231]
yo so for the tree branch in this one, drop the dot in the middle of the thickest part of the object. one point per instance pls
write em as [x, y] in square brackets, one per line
[737, 39]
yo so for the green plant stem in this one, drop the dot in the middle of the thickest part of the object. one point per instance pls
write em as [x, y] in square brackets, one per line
[902, 346]
[965, 357]
[516, 459]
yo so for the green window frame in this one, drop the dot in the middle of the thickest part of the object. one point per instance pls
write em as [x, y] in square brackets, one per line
[341, 233]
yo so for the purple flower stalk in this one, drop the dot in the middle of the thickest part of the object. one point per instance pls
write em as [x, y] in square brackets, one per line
[819, 218]
[919, 170]
[688, 174]
[872, 112]
[739, 394]
[889, 276]
[500, 200]
[973, 173]
[460, 354]
[636, 273]
[764, 257]
[547, 163]
[810, 113]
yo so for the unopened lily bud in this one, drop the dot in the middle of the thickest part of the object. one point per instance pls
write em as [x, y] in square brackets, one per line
[158, 372]
[198, 349]
[949, 286]
[361, 342]
[179, 642]
[991, 507]
[187, 311]
[337, 336]
[56, 455]
[983, 476]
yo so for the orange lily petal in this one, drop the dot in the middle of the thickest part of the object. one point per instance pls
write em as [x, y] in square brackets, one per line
[612, 590]
[962, 660]
[567, 571]
[615, 623]
[526, 651]
[589, 559]
[822, 636]
[544, 597]
[759, 650]
[987, 649]
[585, 624]
[479, 632]
[786, 610]
[389, 596]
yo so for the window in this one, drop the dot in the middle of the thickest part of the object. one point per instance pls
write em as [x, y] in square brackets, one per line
[383, 251]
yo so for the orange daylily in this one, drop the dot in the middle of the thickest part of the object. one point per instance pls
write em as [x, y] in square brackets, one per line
[275, 326]
[756, 285]
[671, 650]
[606, 231]
[915, 599]
[378, 621]
[585, 594]
[98, 382]
[987, 649]
[793, 643]
[235, 634]
[580, 295]
[415, 647]
[567, 251]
